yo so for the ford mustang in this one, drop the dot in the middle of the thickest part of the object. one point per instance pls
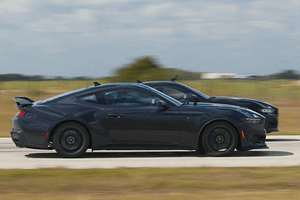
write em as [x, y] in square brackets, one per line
[185, 93]
[128, 116]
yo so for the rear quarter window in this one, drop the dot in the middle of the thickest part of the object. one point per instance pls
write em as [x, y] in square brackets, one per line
[89, 99]
[97, 98]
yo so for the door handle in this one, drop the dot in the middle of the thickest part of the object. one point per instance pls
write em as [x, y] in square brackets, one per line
[115, 115]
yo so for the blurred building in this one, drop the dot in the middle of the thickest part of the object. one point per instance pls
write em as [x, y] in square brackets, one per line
[218, 75]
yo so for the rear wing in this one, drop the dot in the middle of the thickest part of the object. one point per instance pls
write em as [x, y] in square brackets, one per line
[23, 101]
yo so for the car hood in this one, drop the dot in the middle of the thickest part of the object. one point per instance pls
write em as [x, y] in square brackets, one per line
[243, 102]
[221, 108]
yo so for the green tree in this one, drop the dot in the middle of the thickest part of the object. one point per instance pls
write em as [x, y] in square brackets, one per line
[144, 69]
[286, 74]
[147, 69]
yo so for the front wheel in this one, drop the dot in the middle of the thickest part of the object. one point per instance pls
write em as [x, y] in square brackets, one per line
[219, 139]
[71, 140]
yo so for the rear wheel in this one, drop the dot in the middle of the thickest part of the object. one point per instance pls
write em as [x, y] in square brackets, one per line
[71, 140]
[219, 139]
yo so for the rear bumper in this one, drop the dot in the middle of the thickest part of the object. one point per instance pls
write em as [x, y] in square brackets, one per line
[20, 140]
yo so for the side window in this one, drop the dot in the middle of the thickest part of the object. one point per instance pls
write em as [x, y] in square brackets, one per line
[97, 98]
[130, 97]
[174, 92]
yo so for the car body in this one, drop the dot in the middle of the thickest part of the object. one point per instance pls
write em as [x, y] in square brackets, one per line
[185, 93]
[133, 116]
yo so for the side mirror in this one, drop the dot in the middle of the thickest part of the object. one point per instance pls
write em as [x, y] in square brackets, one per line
[195, 98]
[161, 103]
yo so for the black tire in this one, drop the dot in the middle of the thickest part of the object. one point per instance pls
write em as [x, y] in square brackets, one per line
[71, 140]
[219, 139]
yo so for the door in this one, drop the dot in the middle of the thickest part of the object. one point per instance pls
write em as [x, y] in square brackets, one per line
[134, 118]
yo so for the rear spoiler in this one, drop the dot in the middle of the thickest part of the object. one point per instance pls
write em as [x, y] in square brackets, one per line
[23, 101]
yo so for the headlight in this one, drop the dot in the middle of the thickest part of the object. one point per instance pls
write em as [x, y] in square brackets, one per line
[252, 120]
[268, 110]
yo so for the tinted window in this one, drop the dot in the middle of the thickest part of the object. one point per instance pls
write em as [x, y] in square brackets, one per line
[94, 98]
[130, 97]
[176, 93]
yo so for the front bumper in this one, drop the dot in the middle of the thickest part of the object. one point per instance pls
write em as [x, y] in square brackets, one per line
[255, 143]
[254, 137]
[271, 123]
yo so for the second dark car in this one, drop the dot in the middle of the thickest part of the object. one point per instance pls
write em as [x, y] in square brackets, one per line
[185, 93]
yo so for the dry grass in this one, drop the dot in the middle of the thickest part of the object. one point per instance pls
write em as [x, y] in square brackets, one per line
[210, 195]
[154, 183]
[289, 121]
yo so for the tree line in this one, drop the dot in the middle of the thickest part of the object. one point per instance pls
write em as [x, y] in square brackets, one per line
[144, 69]
[22, 77]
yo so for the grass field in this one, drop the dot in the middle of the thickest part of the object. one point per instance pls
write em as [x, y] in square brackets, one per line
[286, 98]
[151, 183]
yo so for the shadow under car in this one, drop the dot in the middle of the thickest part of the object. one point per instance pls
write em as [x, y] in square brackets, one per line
[157, 154]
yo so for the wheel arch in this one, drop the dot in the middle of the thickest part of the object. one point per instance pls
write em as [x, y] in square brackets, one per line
[219, 120]
[53, 129]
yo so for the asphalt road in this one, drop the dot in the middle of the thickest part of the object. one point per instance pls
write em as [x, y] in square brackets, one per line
[283, 151]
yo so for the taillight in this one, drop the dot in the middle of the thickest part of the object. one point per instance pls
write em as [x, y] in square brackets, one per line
[21, 114]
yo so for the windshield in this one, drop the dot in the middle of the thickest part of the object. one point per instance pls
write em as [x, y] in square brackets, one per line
[174, 101]
[196, 91]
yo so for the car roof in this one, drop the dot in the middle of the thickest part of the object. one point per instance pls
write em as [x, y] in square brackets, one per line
[109, 85]
[162, 83]
[90, 88]
[158, 83]
[150, 82]
[117, 84]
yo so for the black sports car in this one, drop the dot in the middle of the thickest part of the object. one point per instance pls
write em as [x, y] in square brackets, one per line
[185, 93]
[133, 116]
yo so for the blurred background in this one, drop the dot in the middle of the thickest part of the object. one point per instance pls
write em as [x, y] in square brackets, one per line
[93, 38]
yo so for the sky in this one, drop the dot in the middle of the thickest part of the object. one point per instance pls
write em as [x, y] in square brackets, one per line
[95, 37]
